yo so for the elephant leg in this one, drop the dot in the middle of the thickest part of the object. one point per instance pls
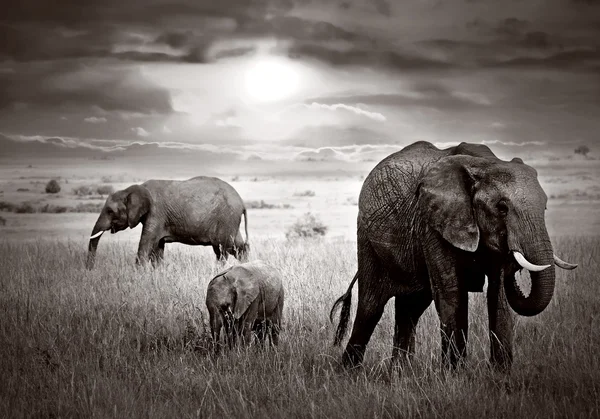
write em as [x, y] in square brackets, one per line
[239, 249]
[373, 294]
[260, 329]
[220, 253]
[452, 307]
[371, 303]
[149, 241]
[409, 309]
[501, 321]
[216, 322]
[158, 254]
[451, 297]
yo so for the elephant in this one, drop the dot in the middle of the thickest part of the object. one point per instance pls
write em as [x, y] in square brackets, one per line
[199, 211]
[246, 298]
[432, 224]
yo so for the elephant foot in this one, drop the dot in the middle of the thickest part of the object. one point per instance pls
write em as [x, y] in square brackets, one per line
[353, 356]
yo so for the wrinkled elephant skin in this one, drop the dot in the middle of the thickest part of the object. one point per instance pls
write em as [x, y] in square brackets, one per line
[431, 225]
[199, 211]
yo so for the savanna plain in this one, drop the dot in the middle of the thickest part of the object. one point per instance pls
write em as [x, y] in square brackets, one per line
[127, 341]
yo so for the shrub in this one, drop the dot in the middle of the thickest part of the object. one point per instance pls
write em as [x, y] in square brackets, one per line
[306, 226]
[583, 150]
[52, 187]
[83, 190]
[7, 206]
[25, 208]
[307, 192]
[259, 205]
[105, 190]
[23, 190]
[87, 207]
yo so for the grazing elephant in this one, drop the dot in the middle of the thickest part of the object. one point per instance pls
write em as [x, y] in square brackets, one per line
[199, 211]
[245, 298]
[431, 225]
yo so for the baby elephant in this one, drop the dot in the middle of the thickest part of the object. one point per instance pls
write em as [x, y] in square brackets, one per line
[245, 298]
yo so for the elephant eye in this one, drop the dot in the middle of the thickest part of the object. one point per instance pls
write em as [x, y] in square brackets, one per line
[502, 207]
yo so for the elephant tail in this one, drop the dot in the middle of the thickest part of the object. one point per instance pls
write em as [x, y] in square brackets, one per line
[346, 301]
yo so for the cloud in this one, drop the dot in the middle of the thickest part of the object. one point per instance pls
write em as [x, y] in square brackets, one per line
[387, 59]
[95, 120]
[77, 86]
[376, 116]
[140, 132]
[321, 154]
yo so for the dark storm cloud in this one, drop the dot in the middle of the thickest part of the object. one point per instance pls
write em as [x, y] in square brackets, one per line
[45, 30]
[385, 59]
[78, 86]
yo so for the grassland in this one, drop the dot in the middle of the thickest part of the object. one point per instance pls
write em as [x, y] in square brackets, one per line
[122, 341]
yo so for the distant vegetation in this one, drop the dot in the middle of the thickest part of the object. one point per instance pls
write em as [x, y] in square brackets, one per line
[52, 187]
[307, 226]
[88, 190]
[32, 208]
[264, 205]
[583, 150]
[307, 192]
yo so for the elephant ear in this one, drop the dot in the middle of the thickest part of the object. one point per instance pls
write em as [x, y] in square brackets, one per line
[247, 290]
[445, 199]
[138, 204]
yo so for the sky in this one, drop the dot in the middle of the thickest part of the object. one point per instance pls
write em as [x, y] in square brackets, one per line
[302, 80]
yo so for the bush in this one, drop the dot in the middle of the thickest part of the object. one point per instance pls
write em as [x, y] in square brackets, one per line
[259, 205]
[305, 193]
[83, 190]
[52, 187]
[23, 190]
[7, 206]
[306, 226]
[25, 208]
[87, 207]
[583, 150]
[105, 190]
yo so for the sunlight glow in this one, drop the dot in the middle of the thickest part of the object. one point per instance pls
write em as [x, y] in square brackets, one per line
[271, 79]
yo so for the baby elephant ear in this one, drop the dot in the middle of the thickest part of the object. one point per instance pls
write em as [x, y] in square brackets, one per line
[445, 200]
[247, 290]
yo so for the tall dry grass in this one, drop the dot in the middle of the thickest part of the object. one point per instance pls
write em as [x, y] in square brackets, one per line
[122, 341]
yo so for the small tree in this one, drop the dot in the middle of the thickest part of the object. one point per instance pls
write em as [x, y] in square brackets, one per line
[305, 227]
[105, 190]
[52, 187]
[583, 150]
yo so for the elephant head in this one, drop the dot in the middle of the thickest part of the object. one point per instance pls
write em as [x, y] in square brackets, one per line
[494, 206]
[122, 209]
[228, 297]
[232, 293]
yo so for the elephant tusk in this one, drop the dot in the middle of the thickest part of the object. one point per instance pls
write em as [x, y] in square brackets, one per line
[528, 265]
[98, 234]
[562, 264]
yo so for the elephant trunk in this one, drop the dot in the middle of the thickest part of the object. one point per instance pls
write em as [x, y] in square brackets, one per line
[100, 227]
[537, 256]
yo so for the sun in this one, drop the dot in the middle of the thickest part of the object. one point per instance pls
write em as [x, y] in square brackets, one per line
[271, 79]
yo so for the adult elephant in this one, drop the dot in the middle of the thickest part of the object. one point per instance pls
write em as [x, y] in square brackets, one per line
[431, 225]
[200, 211]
